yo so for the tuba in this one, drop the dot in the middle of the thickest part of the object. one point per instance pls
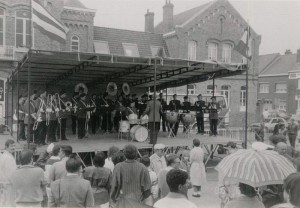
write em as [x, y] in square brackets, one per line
[112, 89]
[81, 86]
[126, 88]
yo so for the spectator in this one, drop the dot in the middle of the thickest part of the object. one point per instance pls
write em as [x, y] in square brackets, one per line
[118, 158]
[289, 152]
[7, 167]
[71, 190]
[278, 126]
[184, 161]
[260, 132]
[44, 156]
[28, 182]
[154, 181]
[292, 131]
[108, 161]
[248, 199]
[197, 171]
[100, 178]
[131, 177]
[275, 139]
[178, 183]
[157, 160]
[58, 169]
[173, 162]
[53, 159]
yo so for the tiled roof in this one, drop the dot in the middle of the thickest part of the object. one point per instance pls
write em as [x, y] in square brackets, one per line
[115, 38]
[266, 60]
[280, 65]
[182, 17]
[74, 3]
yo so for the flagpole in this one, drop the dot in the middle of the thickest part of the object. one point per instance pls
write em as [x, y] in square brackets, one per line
[247, 89]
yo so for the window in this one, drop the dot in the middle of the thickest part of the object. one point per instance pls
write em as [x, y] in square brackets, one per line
[281, 88]
[225, 90]
[101, 47]
[191, 89]
[2, 26]
[212, 51]
[131, 50]
[243, 99]
[23, 29]
[210, 89]
[74, 44]
[282, 105]
[157, 51]
[226, 53]
[264, 88]
[192, 50]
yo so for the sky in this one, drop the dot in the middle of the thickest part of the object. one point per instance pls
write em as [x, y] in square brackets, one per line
[277, 21]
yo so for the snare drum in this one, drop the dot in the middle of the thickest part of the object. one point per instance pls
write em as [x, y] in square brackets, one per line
[124, 126]
[187, 118]
[139, 133]
[133, 118]
[144, 119]
[172, 117]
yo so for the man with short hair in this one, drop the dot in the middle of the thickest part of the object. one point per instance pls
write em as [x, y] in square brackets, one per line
[178, 184]
[292, 131]
[157, 160]
[200, 107]
[173, 162]
[28, 182]
[130, 179]
[58, 169]
[174, 106]
[162, 115]
[213, 108]
[7, 167]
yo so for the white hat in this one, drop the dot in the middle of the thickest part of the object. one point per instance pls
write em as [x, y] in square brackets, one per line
[261, 146]
[159, 146]
[50, 147]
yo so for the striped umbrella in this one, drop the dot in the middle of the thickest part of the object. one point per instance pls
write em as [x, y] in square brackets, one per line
[255, 167]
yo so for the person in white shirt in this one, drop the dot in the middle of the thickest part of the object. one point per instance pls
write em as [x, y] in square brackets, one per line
[157, 160]
[108, 161]
[179, 184]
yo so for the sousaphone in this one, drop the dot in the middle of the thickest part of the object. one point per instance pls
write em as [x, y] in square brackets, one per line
[81, 86]
[112, 89]
[126, 88]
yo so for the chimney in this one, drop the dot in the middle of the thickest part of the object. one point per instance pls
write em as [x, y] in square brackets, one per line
[288, 52]
[149, 21]
[298, 55]
[168, 15]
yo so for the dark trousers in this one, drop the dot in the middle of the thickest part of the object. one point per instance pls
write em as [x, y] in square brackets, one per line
[292, 139]
[200, 124]
[153, 131]
[164, 122]
[61, 133]
[213, 126]
[21, 135]
[52, 130]
[106, 122]
[74, 124]
[31, 132]
[41, 133]
[94, 122]
[81, 127]
[174, 127]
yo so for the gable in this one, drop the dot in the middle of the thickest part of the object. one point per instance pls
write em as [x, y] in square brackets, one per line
[281, 65]
[266, 60]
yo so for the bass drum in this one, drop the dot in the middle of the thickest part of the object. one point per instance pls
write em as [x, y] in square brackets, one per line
[172, 117]
[133, 118]
[139, 133]
[187, 118]
[124, 126]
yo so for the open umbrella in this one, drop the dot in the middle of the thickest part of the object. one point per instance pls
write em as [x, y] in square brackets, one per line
[255, 167]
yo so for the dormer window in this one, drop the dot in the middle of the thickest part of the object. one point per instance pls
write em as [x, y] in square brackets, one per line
[157, 51]
[131, 50]
[101, 47]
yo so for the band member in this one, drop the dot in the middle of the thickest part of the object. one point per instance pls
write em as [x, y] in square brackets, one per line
[134, 103]
[29, 120]
[162, 115]
[200, 107]
[174, 106]
[94, 114]
[142, 105]
[75, 100]
[53, 119]
[120, 113]
[81, 116]
[63, 116]
[213, 108]
[106, 104]
[21, 116]
[186, 109]
[40, 123]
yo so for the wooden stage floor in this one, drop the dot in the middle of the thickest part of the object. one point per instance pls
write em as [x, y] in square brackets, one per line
[102, 142]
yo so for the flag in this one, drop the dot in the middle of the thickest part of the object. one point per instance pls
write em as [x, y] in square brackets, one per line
[244, 44]
[46, 23]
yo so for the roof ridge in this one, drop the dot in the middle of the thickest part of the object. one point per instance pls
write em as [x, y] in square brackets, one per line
[111, 28]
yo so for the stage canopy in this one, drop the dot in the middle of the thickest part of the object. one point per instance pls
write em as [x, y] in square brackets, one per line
[52, 68]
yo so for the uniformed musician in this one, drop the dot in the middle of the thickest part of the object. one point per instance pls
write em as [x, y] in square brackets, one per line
[106, 104]
[53, 123]
[162, 115]
[29, 120]
[81, 116]
[75, 100]
[213, 108]
[41, 127]
[120, 113]
[174, 106]
[186, 105]
[21, 116]
[94, 113]
[63, 117]
[200, 107]
[142, 105]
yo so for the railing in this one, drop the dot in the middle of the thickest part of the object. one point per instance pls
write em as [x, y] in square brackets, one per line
[7, 52]
[237, 134]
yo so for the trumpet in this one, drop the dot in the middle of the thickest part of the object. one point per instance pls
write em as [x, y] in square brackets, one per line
[38, 115]
[49, 108]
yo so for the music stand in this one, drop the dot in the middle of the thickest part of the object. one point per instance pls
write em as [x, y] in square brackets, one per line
[171, 133]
